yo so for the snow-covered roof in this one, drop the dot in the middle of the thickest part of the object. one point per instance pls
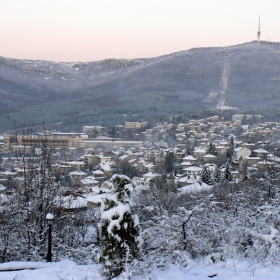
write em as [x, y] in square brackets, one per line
[97, 198]
[261, 150]
[210, 164]
[123, 157]
[193, 168]
[77, 173]
[73, 203]
[189, 157]
[186, 179]
[222, 147]
[75, 162]
[97, 172]
[209, 156]
[186, 163]
[265, 162]
[199, 150]
[253, 158]
[2, 188]
[89, 180]
[151, 175]
[195, 187]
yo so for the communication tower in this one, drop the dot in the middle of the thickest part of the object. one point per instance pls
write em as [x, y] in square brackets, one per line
[259, 31]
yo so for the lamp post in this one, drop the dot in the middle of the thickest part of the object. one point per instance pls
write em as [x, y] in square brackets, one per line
[50, 218]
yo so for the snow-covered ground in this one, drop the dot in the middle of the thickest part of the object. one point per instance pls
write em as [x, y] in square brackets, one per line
[195, 270]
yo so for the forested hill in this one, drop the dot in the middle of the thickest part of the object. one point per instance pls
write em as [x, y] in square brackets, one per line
[242, 76]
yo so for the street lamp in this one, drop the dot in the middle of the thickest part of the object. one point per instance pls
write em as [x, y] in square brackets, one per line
[50, 218]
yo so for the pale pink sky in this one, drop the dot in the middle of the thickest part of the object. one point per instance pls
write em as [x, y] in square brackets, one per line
[89, 30]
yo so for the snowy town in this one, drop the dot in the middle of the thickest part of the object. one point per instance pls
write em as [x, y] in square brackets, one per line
[178, 178]
[205, 152]
[139, 140]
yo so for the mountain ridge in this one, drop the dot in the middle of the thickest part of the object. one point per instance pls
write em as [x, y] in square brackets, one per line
[198, 78]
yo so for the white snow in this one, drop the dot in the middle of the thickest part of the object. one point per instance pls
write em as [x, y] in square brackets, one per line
[195, 187]
[50, 216]
[119, 210]
[231, 269]
[64, 270]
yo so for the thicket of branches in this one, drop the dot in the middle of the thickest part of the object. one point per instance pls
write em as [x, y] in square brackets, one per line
[232, 220]
[23, 230]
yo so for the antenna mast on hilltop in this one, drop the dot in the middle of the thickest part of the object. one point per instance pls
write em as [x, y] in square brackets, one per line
[259, 31]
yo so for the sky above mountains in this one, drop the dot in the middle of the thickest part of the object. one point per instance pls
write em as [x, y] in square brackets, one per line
[89, 30]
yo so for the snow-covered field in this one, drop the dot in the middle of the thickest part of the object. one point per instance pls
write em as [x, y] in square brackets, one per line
[195, 270]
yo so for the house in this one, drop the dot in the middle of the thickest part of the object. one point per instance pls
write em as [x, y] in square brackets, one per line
[72, 150]
[199, 153]
[150, 175]
[265, 164]
[87, 182]
[185, 164]
[190, 159]
[135, 125]
[178, 156]
[252, 160]
[2, 189]
[160, 158]
[91, 159]
[211, 167]
[185, 181]
[76, 165]
[22, 150]
[61, 168]
[94, 201]
[150, 154]
[104, 159]
[2, 149]
[193, 170]
[209, 158]
[109, 168]
[73, 202]
[261, 152]
[241, 152]
[126, 158]
[196, 186]
[76, 176]
[98, 175]
[221, 150]
[89, 129]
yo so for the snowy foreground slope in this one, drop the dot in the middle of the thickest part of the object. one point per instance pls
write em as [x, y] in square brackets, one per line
[68, 270]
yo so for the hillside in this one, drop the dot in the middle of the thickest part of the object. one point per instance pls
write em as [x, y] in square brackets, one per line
[242, 76]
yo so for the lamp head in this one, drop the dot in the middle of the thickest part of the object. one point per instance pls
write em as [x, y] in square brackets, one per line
[50, 218]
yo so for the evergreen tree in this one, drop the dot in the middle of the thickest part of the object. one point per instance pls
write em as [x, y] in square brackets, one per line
[232, 142]
[227, 175]
[119, 229]
[188, 150]
[230, 151]
[112, 131]
[206, 176]
[211, 149]
[216, 177]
